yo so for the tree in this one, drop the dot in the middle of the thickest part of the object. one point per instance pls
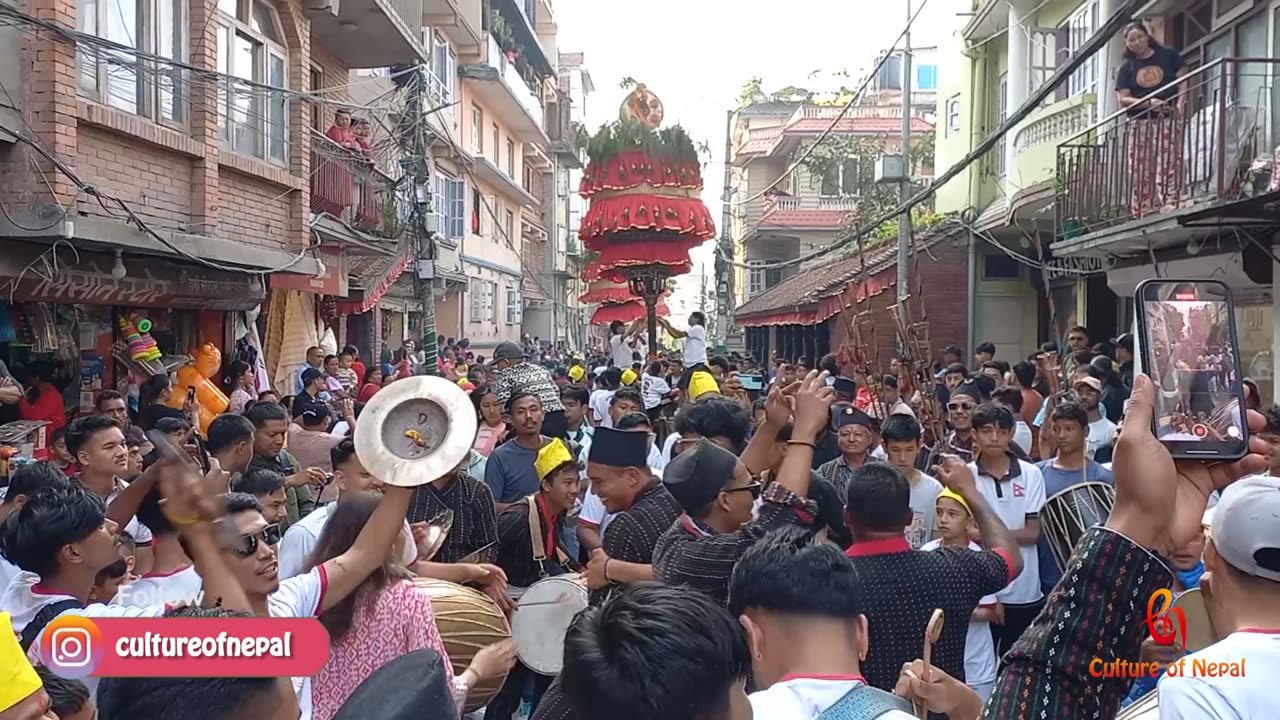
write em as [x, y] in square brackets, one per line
[751, 92]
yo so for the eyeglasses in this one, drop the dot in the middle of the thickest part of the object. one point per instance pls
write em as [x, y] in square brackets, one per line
[247, 545]
[754, 488]
[966, 407]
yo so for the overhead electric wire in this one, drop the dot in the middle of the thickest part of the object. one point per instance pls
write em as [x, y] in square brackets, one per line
[1095, 43]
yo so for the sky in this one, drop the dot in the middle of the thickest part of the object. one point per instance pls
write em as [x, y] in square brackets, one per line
[697, 54]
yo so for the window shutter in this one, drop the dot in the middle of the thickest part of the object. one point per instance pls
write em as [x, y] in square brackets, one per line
[1062, 49]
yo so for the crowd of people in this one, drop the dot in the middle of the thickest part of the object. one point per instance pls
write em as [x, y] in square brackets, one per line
[765, 540]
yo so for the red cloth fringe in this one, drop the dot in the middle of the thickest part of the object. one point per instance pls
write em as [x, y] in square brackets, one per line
[632, 254]
[592, 272]
[645, 212]
[609, 294]
[637, 167]
[624, 312]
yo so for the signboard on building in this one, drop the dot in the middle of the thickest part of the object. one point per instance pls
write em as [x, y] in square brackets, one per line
[333, 281]
[1072, 267]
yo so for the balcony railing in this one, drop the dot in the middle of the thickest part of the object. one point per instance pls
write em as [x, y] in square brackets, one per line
[517, 84]
[347, 186]
[1131, 167]
[810, 203]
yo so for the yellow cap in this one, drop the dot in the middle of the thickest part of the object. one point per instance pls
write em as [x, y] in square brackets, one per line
[701, 383]
[18, 679]
[950, 494]
[577, 372]
[551, 456]
[629, 376]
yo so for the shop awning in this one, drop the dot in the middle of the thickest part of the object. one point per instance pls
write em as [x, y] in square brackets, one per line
[61, 274]
[377, 275]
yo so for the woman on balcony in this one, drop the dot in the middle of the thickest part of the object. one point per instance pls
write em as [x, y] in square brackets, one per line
[1144, 87]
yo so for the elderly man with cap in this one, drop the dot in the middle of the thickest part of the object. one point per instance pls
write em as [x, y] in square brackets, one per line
[530, 549]
[516, 375]
[856, 434]
[717, 492]
[618, 469]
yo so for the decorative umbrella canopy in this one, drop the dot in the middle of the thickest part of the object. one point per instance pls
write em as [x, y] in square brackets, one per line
[624, 312]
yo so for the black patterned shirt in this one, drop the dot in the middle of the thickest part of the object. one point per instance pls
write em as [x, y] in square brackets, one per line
[633, 534]
[1096, 611]
[530, 378]
[515, 544]
[474, 520]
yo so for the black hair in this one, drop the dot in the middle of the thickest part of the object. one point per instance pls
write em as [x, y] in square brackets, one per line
[258, 482]
[150, 515]
[151, 389]
[340, 532]
[830, 363]
[1151, 41]
[1049, 346]
[261, 413]
[654, 651]
[518, 396]
[238, 502]
[174, 698]
[1011, 397]
[235, 371]
[577, 393]
[627, 393]
[369, 371]
[758, 404]
[31, 478]
[611, 377]
[227, 430]
[265, 393]
[59, 434]
[1025, 372]
[785, 572]
[633, 420]
[107, 395]
[1272, 416]
[889, 381]
[615, 326]
[51, 518]
[1103, 349]
[342, 452]
[66, 696]
[954, 368]
[135, 437]
[721, 362]
[315, 414]
[83, 428]
[655, 367]
[354, 352]
[716, 417]
[697, 318]
[953, 350]
[900, 427]
[986, 347]
[878, 498]
[327, 358]
[992, 414]
[1081, 328]
[477, 396]
[1072, 411]
[171, 425]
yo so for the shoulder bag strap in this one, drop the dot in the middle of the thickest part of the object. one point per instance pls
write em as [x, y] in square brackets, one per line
[865, 703]
[43, 618]
[535, 529]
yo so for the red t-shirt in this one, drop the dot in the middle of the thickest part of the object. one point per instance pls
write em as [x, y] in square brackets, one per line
[48, 406]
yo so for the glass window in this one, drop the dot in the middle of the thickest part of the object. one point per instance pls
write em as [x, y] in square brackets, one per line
[255, 120]
[477, 130]
[111, 76]
[926, 77]
[1081, 26]
[953, 115]
[477, 300]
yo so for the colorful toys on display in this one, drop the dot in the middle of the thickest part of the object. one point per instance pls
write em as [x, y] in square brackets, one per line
[209, 398]
[137, 333]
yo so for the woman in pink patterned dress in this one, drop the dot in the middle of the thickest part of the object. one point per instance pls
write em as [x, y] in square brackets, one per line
[384, 619]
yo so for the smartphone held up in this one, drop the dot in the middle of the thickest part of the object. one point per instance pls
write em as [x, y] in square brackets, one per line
[1187, 344]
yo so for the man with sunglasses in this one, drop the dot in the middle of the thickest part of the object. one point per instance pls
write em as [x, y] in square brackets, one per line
[964, 399]
[718, 495]
[251, 556]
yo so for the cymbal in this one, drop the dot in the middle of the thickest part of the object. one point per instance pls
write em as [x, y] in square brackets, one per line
[415, 430]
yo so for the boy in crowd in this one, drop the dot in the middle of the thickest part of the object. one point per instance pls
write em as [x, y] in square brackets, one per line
[576, 401]
[901, 437]
[346, 373]
[68, 699]
[61, 457]
[954, 524]
[1068, 467]
[1015, 488]
[120, 572]
[268, 486]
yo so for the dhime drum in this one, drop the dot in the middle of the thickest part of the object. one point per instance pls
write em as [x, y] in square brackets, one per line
[468, 621]
[1068, 514]
[542, 617]
[1146, 707]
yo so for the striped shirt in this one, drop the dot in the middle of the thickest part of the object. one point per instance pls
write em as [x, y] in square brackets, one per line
[634, 533]
[474, 520]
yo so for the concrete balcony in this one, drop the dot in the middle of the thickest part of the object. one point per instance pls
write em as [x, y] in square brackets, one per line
[499, 85]
[459, 20]
[1036, 140]
[368, 33]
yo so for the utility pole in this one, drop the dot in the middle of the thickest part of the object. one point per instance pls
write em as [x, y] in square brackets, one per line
[725, 297]
[904, 186]
[418, 164]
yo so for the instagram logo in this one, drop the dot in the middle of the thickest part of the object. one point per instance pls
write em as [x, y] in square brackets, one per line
[71, 646]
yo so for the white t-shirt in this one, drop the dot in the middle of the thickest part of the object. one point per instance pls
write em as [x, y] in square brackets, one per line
[669, 447]
[594, 514]
[695, 346]
[1192, 695]
[1022, 436]
[599, 404]
[653, 388]
[139, 532]
[924, 496]
[24, 598]
[621, 350]
[979, 650]
[8, 571]
[805, 698]
[301, 537]
[1017, 498]
[1101, 434]
[300, 596]
[182, 586]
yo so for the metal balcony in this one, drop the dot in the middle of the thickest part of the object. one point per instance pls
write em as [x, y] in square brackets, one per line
[347, 187]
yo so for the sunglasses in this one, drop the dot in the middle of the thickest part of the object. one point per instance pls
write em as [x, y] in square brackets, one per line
[247, 545]
[754, 488]
[961, 406]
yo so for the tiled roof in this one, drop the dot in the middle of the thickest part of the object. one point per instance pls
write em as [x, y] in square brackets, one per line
[795, 219]
[857, 125]
[827, 280]
[770, 108]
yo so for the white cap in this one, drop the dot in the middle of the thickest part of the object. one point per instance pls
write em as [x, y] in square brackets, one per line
[1246, 526]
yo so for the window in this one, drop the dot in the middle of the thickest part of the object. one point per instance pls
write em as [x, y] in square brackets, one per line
[848, 177]
[1080, 27]
[760, 279]
[477, 300]
[953, 115]
[510, 239]
[477, 130]
[490, 302]
[317, 83]
[511, 158]
[450, 205]
[475, 211]
[497, 137]
[1000, 267]
[250, 50]
[444, 71]
[926, 77]
[1002, 110]
[514, 306]
[110, 76]
[1044, 58]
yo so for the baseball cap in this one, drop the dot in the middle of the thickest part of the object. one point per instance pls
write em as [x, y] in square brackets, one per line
[1090, 381]
[1125, 341]
[507, 351]
[311, 374]
[1244, 530]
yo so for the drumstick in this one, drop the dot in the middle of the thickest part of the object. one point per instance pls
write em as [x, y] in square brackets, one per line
[932, 632]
